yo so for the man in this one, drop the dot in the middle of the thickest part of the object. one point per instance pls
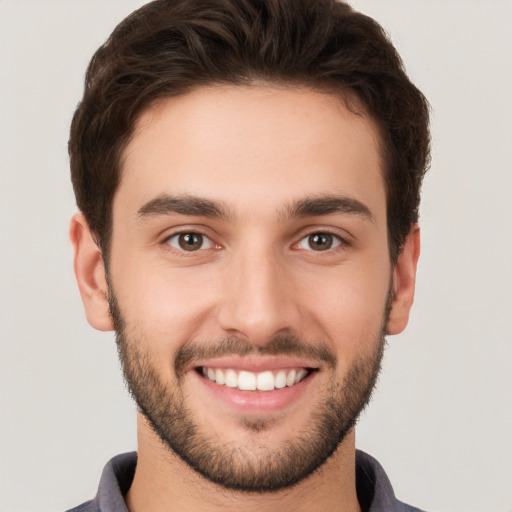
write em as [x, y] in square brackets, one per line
[248, 175]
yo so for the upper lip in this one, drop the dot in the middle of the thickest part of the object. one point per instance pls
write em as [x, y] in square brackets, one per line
[255, 363]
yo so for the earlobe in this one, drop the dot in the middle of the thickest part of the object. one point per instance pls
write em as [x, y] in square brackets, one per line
[404, 281]
[90, 274]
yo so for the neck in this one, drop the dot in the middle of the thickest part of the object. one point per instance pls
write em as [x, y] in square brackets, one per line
[163, 482]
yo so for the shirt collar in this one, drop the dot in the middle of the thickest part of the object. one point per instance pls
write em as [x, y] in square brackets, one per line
[374, 490]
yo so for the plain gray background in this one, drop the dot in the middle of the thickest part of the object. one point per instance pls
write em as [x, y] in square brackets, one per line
[441, 420]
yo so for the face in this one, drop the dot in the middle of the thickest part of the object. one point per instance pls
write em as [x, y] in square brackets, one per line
[250, 279]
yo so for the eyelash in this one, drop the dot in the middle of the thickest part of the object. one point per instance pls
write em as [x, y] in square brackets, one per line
[205, 238]
[341, 242]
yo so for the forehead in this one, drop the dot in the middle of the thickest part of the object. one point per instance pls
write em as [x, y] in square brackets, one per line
[241, 144]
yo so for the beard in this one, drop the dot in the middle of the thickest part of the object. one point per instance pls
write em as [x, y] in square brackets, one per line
[251, 467]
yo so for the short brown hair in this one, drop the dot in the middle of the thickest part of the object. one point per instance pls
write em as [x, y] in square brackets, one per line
[168, 47]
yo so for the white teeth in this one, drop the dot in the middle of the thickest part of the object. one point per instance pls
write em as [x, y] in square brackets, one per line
[231, 379]
[265, 381]
[219, 377]
[280, 380]
[300, 375]
[249, 381]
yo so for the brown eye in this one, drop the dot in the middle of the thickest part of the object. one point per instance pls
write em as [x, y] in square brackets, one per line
[189, 242]
[319, 242]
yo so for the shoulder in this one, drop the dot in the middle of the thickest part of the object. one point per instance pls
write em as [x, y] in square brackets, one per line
[115, 481]
[374, 490]
[88, 506]
[403, 507]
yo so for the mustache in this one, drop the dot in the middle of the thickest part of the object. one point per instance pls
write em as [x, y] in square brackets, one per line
[283, 345]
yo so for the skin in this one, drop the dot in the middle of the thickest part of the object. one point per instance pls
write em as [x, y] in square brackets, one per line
[256, 150]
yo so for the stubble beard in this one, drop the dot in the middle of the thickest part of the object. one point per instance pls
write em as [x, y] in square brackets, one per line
[252, 467]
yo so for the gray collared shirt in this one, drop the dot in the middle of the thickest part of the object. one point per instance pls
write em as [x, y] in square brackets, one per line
[374, 490]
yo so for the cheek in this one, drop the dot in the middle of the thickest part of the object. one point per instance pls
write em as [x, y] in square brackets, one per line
[163, 303]
[349, 308]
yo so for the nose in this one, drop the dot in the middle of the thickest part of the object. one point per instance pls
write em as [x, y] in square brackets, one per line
[259, 300]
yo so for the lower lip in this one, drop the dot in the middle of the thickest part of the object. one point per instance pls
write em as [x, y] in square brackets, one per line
[256, 401]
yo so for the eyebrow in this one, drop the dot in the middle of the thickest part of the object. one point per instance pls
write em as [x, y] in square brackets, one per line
[184, 205]
[201, 207]
[326, 205]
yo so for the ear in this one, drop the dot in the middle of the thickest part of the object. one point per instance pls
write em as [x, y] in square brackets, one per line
[404, 280]
[90, 274]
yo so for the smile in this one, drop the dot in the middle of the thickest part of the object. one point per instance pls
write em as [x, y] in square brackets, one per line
[252, 381]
